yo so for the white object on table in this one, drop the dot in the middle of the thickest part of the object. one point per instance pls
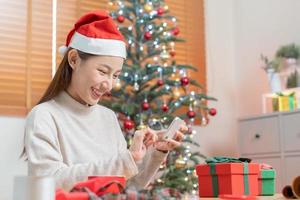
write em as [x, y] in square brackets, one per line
[34, 188]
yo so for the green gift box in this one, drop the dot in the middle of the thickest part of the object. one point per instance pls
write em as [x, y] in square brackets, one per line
[266, 182]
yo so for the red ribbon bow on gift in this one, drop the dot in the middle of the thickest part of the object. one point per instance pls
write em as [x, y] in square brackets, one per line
[93, 188]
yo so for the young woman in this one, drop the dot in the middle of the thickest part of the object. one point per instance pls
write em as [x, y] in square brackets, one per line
[68, 135]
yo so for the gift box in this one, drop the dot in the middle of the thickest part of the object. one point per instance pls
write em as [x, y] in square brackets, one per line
[94, 187]
[284, 102]
[101, 185]
[281, 101]
[227, 179]
[266, 182]
[287, 102]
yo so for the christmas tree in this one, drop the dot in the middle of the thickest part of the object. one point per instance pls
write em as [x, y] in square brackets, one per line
[153, 88]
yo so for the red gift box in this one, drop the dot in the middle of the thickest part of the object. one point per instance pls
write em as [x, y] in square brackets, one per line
[114, 184]
[95, 185]
[228, 178]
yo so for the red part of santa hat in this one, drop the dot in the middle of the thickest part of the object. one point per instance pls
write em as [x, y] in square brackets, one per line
[96, 33]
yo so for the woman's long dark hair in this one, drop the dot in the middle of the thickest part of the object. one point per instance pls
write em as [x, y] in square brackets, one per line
[60, 82]
[62, 78]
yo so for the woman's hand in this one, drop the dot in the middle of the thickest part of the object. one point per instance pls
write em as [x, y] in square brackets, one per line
[165, 145]
[142, 139]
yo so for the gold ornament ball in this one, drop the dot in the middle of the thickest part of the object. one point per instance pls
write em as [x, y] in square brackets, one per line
[129, 142]
[166, 7]
[148, 7]
[164, 55]
[177, 93]
[117, 86]
[180, 163]
[196, 102]
[159, 180]
[112, 6]
[142, 126]
[204, 121]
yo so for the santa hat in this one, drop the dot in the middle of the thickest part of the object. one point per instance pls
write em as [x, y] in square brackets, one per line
[96, 33]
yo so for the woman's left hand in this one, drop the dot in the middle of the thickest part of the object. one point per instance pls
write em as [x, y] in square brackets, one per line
[164, 145]
[150, 137]
[142, 139]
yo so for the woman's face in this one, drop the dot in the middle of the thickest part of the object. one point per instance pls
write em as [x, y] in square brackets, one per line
[93, 77]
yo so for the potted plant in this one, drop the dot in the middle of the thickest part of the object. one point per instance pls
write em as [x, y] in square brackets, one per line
[290, 52]
[293, 80]
[271, 65]
[272, 68]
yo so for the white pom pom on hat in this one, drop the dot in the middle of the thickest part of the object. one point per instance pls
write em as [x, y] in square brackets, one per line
[96, 33]
[62, 49]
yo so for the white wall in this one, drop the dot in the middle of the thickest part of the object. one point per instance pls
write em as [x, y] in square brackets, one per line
[219, 137]
[237, 32]
[261, 27]
[11, 144]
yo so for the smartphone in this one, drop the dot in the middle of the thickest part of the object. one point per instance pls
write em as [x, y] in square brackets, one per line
[174, 126]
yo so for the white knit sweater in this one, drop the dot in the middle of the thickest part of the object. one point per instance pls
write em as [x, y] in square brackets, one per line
[70, 141]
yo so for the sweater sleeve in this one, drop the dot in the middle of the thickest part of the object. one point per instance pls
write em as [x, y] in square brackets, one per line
[45, 158]
[147, 168]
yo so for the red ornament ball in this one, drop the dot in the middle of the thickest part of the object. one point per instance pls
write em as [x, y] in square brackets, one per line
[128, 124]
[121, 18]
[175, 31]
[160, 11]
[191, 114]
[145, 105]
[160, 82]
[165, 107]
[184, 81]
[172, 53]
[147, 35]
[212, 111]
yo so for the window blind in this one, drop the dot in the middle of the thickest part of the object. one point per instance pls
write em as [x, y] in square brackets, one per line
[26, 35]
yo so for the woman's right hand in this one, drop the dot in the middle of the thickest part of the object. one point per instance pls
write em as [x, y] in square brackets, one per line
[141, 140]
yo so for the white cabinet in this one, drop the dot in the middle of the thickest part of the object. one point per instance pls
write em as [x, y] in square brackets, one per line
[292, 167]
[291, 132]
[257, 133]
[273, 139]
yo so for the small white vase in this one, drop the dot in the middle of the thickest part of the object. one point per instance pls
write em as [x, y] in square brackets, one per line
[274, 81]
